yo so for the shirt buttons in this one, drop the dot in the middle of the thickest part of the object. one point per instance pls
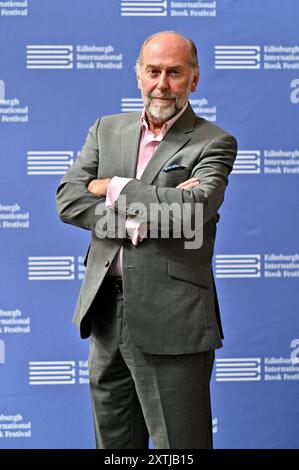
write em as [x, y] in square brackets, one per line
[107, 264]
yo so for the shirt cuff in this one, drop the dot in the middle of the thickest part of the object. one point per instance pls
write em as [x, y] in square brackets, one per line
[114, 189]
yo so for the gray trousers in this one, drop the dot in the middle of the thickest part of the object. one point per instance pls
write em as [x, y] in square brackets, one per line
[135, 394]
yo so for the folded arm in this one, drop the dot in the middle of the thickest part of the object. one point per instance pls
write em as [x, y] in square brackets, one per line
[81, 192]
[75, 204]
[211, 170]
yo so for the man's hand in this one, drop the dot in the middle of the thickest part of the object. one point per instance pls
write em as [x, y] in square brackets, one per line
[99, 186]
[188, 184]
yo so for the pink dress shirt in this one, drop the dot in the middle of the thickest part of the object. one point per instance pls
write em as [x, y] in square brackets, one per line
[148, 144]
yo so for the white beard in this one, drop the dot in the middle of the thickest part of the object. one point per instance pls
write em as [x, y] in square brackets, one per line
[160, 112]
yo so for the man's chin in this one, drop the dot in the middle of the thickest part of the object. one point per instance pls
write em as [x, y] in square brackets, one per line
[159, 115]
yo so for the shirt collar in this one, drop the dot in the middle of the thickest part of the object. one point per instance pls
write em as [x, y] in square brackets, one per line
[167, 125]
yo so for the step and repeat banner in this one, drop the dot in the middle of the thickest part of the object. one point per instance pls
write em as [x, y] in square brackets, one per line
[63, 63]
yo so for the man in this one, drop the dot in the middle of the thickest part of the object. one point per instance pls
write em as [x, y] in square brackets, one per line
[149, 302]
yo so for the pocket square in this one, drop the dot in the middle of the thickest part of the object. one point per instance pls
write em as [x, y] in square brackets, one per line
[173, 167]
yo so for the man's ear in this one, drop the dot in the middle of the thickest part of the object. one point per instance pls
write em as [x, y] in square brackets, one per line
[138, 76]
[195, 81]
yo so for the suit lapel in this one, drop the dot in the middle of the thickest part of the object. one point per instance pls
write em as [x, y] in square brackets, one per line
[178, 136]
[130, 138]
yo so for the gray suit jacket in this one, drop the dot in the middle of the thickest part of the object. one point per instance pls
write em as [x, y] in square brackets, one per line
[169, 292]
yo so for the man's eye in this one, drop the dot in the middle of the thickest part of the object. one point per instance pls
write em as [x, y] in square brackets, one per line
[153, 73]
[174, 73]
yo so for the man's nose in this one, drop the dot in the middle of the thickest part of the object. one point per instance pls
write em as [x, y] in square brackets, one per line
[163, 82]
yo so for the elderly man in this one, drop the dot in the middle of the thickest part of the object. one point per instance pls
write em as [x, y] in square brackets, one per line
[147, 302]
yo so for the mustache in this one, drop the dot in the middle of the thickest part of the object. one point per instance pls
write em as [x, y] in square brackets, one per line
[167, 96]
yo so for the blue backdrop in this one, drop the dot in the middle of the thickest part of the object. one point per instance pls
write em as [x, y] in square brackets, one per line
[62, 64]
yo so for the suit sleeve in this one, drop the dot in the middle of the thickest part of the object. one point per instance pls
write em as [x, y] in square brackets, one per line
[212, 168]
[75, 204]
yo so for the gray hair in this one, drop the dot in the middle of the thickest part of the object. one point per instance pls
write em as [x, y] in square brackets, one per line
[191, 45]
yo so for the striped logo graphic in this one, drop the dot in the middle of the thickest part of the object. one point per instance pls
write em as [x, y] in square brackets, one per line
[237, 57]
[238, 369]
[51, 268]
[131, 104]
[49, 57]
[52, 372]
[143, 7]
[237, 266]
[247, 162]
[41, 162]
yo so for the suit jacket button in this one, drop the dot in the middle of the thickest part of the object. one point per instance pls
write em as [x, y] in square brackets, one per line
[107, 264]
